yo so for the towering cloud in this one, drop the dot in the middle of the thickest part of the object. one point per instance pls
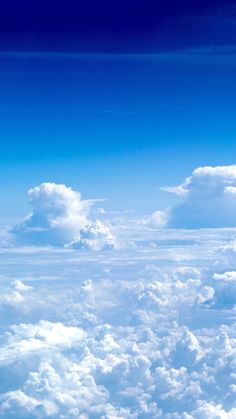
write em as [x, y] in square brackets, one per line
[208, 199]
[60, 217]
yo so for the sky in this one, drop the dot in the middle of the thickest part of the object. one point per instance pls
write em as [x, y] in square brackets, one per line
[118, 210]
[114, 101]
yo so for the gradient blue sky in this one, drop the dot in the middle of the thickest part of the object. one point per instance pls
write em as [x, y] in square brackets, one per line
[115, 103]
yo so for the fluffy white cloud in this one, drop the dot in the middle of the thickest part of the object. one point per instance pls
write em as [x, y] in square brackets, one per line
[226, 276]
[16, 293]
[143, 337]
[210, 410]
[209, 199]
[157, 219]
[59, 217]
[96, 236]
[29, 339]
[146, 332]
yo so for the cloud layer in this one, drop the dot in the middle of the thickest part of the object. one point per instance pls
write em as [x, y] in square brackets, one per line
[146, 332]
[141, 334]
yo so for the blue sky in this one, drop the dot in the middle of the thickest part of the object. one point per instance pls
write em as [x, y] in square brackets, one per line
[114, 102]
[114, 128]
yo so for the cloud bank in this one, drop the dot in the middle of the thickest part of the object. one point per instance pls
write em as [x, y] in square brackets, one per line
[138, 337]
[146, 332]
[60, 217]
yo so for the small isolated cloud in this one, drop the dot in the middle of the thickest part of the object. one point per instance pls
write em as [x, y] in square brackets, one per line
[208, 199]
[226, 276]
[60, 217]
[15, 294]
[95, 236]
[157, 219]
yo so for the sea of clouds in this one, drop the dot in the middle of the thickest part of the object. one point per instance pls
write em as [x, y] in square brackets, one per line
[120, 319]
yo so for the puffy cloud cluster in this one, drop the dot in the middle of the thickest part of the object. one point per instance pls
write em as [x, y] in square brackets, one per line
[148, 332]
[15, 294]
[137, 335]
[60, 217]
[96, 236]
[208, 199]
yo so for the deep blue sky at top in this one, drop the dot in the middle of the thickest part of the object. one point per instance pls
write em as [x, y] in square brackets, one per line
[118, 26]
[114, 98]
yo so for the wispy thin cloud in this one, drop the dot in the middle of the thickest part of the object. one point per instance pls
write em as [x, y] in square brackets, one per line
[210, 55]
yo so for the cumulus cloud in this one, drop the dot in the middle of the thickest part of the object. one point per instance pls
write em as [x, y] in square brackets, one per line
[16, 293]
[208, 199]
[95, 236]
[148, 332]
[26, 339]
[140, 364]
[138, 334]
[59, 217]
[157, 219]
[210, 410]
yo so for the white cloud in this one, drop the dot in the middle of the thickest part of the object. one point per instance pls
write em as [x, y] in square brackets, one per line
[15, 294]
[59, 217]
[228, 251]
[226, 276]
[157, 219]
[18, 404]
[28, 339]
[210, 410]
[95, 236]
[115, 346]
[146, 332]
[209, 199]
